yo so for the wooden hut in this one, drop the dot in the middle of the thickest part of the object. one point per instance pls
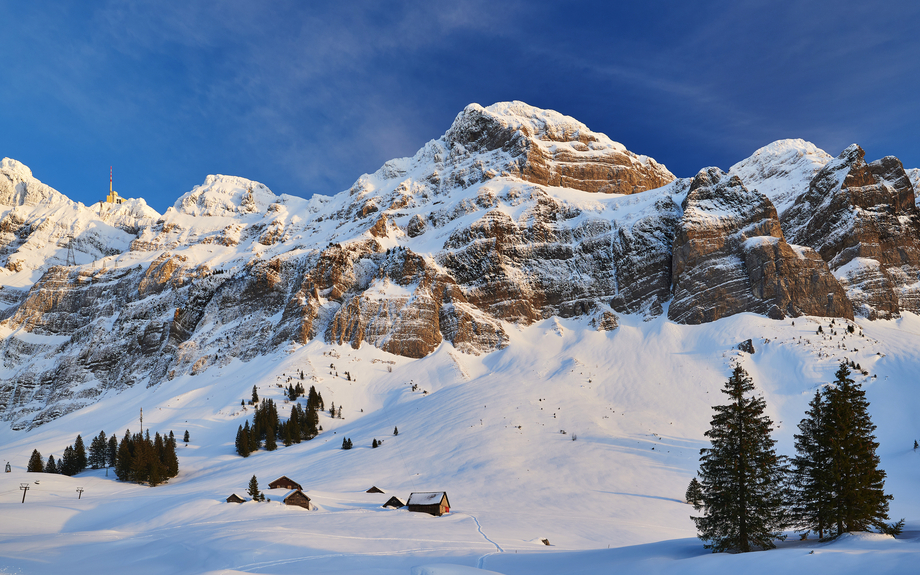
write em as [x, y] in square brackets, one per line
[299, 498]
[394, 502]
[433, 502]
[374, 489]
[284, 483]
[234, 498]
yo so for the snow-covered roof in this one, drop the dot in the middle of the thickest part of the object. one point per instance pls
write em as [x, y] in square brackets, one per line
[426, 497]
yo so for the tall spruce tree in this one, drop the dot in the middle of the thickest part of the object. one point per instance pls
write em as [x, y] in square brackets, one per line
[35, 462]
[740, 474]
[79, 451]
[111, 451]
[857, 483]
[68, 465]
[51, 466]
[242, 441]
[812, 497]
[97, 449]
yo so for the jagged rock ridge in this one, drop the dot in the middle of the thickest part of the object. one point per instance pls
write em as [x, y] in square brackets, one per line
[514, 215]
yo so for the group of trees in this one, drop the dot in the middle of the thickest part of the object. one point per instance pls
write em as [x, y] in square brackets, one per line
[749, 494]
[143, 460]
[75, 458]
[137, 458]
[267, 429]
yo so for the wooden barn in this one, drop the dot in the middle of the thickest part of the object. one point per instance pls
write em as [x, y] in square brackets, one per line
[234, 498]
[299, 498]
[284, 483]
[374, 489]
[394, 502]
[433, 502]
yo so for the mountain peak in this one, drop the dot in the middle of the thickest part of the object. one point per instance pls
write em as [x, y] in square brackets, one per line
[226, 196]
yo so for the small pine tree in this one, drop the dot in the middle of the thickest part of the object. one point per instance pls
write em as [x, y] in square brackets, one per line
[111, 451]
[271, 442]
[79, 451]
[395, 431]
[916, 445]
[694, 495]
[185, 437]
[374, 444]
[255, 395]
[51, 466]
[740, 474]
[36, 465]
[69, 462]
[242, 441]
[254, 488]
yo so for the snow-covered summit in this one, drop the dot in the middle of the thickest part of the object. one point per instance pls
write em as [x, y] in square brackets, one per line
[221, 195]
[782, 170]
[18, 187]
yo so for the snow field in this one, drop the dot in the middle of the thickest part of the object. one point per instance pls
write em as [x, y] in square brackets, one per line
[488, 432]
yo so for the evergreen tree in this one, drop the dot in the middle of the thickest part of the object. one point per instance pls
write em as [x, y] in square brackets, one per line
[79, 451]
[741, 475]
[36, 464]
[374, 444]
[97, 449]
[124, 460]
[185, 438]
[811, 495]
[254, 488]
[856, 481]
[171, 460]
[694, 495]
[68, 464]
[51, 466]
[395, 431]
[346, 443]
[242, 441]
[271, 443]
[111, 451]
[255, 395]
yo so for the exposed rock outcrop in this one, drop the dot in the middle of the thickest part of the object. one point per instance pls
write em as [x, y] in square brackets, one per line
[730, 257]
[862, 218]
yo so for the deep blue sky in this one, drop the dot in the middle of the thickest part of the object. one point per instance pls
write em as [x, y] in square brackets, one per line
[305, 99]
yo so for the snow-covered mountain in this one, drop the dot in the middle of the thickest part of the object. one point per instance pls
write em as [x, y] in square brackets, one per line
[519, 277]
[514, 215]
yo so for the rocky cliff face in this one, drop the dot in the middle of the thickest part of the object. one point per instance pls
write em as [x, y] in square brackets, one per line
[862, 218]
[514, 215]
[730, 256]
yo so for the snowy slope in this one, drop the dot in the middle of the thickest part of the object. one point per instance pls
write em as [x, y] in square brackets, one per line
[488, 432]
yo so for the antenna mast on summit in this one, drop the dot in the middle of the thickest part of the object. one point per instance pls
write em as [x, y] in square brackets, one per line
[110, 180]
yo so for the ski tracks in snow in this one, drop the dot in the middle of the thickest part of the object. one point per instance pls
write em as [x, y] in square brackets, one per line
[486, 537]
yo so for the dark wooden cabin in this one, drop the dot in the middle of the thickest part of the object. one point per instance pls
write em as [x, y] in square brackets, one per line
[394, 502]
[432, 502]
[284, 483]
[374, 489]
[234, 498]
[299, 498]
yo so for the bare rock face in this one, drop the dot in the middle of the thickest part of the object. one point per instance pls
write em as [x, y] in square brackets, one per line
[730, 257]
[862, 218]
[547, 148]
